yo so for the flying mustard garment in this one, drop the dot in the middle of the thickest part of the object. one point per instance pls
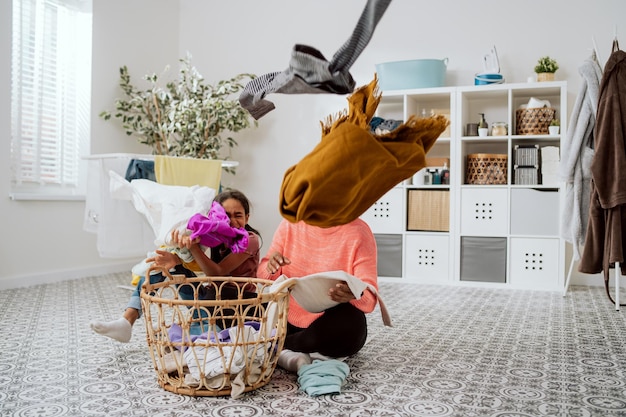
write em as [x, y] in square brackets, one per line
[351, 168]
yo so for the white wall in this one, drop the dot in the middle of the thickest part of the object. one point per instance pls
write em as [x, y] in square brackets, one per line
[228, 37]
[45, 241]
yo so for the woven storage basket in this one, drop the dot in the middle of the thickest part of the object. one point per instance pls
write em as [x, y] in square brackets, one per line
[211, 347]
[533, 121]
[429, 210]
[486, 168]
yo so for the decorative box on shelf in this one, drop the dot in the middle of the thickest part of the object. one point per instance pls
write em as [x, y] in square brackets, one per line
[526, 175]
[527, 155]
[534, 121]
[486, 168]
[429, 210]
[526, 165]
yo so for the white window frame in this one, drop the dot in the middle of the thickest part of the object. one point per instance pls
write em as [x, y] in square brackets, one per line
[50, 98]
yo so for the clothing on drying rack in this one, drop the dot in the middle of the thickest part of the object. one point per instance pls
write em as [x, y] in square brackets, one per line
[174, 170]
[309, 72]
[606, 230]
[140, 169]
[577, 155]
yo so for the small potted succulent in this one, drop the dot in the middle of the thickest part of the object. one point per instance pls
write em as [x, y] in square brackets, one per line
[545, 68]
[554, 127]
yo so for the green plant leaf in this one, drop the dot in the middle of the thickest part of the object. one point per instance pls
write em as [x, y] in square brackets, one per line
[187, 117]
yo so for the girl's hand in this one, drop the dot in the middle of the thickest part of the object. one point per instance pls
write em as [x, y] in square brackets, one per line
[276, 261]
[183, 241]
[164, 259]
[341, 293]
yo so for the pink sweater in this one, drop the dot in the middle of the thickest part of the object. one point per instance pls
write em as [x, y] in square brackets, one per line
[350, 248]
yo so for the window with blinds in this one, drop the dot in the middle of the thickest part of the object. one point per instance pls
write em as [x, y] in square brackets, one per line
[50, 98]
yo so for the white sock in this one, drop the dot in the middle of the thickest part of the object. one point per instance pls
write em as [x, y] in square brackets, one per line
[292, 361]
[120, 329]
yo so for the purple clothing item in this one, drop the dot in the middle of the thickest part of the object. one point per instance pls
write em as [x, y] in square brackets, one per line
[215, 229]
[176, 333]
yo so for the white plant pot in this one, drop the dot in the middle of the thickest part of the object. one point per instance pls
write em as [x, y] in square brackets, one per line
[554, 130]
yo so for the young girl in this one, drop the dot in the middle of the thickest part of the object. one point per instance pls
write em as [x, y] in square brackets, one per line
[222, 262]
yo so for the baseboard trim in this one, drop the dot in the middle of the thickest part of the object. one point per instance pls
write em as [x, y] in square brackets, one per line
[51, 277]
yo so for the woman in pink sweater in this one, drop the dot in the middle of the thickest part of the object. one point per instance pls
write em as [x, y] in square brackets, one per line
[299, 249]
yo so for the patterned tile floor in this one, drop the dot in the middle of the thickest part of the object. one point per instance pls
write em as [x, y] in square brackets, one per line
[453, 351]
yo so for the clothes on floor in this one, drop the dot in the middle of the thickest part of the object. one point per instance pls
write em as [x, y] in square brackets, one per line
[309, 72]
[351, 168]
[323, 377]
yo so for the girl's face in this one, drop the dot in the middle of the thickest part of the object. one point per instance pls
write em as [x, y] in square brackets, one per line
[236, 213]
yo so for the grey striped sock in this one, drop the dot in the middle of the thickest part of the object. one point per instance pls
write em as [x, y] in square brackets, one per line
[309, 72]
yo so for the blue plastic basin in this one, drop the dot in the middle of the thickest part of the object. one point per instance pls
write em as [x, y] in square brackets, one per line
[416, 73]
[488, 78]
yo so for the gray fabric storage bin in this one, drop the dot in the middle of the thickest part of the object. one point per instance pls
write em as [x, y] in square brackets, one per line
[389, 249]
[483, 259]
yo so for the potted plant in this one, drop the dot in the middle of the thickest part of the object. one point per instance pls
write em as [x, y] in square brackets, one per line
[545, 68]
[554, 127]
[187, 117]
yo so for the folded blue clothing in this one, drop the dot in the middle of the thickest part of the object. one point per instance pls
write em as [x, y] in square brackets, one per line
[375, 122]
[323, 377]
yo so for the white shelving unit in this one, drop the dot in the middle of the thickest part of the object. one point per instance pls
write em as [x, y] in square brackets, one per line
[497, 235]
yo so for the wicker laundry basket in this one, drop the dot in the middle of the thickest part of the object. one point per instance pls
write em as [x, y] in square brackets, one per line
[214, 347]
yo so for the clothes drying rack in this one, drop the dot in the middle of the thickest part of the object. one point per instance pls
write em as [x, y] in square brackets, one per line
[618, 272]
[618, 276]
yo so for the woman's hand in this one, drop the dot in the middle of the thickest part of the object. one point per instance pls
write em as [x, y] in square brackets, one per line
[276, 261]
[341, 293]
[164, 259]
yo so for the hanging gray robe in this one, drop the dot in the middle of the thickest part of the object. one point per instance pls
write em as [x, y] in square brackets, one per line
[606, 229]
[576, 156]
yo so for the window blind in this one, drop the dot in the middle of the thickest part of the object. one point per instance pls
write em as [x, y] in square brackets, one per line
[50, 97]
